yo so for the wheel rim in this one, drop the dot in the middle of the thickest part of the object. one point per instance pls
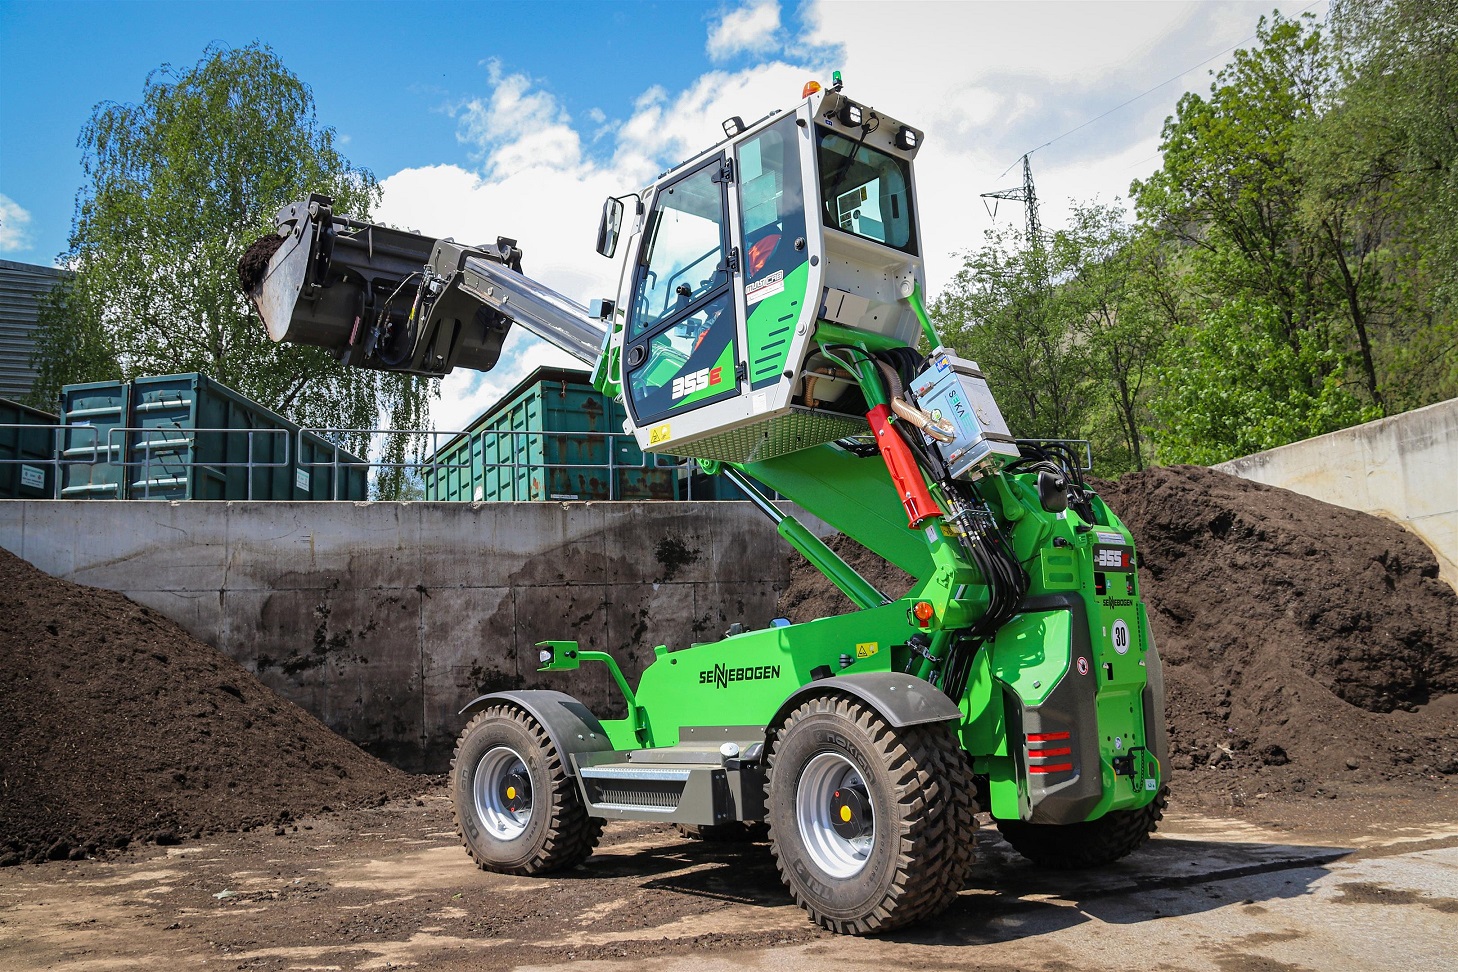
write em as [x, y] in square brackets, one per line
[833, 809]
[503, 792]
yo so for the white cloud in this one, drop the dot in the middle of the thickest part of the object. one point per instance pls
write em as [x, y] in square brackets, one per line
[751, 27]
[13, 222]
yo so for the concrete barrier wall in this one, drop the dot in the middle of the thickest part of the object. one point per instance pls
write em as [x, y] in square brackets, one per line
[383, 619]
[1404, 468]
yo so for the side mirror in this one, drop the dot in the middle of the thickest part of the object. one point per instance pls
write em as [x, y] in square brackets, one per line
[610, 226]
[1052, 491]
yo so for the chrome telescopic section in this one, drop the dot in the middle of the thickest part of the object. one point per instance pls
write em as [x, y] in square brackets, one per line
[550, 316]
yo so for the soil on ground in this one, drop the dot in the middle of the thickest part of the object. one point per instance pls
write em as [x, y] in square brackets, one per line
[391, 887]
[1309, 650]
[117, 726]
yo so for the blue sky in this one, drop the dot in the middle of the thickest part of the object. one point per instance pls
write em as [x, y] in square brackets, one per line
[385, 75]
[517, 119]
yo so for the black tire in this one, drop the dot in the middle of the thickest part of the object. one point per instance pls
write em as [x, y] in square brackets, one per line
[1093, 843]
[916, 848]
[543, 825]
[734, 832]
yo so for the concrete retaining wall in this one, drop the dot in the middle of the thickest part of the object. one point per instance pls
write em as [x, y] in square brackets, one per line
[383, 619]
[1404, 468]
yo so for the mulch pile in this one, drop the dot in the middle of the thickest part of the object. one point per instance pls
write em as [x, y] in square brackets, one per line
[1308, 649]
[253, 265]
[117, 726]
[809, 595]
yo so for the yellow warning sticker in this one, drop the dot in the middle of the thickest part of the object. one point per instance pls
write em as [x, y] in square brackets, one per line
[867, 648]
[659, 433]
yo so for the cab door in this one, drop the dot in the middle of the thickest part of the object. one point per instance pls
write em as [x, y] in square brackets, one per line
[680, 352]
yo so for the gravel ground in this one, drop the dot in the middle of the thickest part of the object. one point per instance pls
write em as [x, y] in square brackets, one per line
[1358, 883]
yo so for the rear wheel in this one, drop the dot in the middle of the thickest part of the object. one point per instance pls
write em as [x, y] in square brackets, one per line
[1093, 843]
[516, 808]
[871, 825]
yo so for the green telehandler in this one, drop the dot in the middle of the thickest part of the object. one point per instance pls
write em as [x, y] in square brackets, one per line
[767, 325]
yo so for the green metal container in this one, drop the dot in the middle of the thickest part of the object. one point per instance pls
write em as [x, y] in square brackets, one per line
[92, 451]
[27, 448]
[189, 437]
[552, 437]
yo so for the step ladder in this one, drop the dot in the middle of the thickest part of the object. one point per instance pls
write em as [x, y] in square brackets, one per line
[712, 776]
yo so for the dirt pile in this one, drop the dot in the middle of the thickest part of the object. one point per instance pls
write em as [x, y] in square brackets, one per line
[809, 595]
[116, 725]
[253, 265]
[1306, 647]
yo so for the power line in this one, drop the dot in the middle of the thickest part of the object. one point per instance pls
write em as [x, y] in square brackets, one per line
[1148, 92]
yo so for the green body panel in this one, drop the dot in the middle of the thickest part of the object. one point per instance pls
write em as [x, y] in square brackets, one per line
[743, 679]
[852, 494]
[770, 326]
[1032, 652]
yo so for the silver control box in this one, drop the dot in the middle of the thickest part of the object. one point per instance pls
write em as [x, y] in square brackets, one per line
[953, 388]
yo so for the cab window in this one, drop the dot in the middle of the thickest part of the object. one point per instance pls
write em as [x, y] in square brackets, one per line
[771, 203]
[687, 364]
[865, 191]
[683, 260]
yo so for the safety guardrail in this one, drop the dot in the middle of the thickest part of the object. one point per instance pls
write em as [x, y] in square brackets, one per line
[513, 486]
[157, 454]
[153, 463]
[157, 461]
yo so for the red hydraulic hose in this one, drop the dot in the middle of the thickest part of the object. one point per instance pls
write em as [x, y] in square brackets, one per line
[905, 474]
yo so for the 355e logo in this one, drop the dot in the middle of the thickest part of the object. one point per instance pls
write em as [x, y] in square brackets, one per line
[1107, 557]
[699, 380]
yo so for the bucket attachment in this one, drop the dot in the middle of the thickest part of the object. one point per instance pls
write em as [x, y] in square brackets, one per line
[393, 300]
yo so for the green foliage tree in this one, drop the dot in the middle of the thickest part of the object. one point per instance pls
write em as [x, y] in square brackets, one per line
[1293, 267]
[1110, 295]
[1274, 199]
[1233, 385]
[1228, 192]
[1383, 156]
[177, 187]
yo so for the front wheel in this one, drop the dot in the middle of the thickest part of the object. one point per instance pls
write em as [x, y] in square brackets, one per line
[1092, 843]
[871, 825]
[516, 808]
